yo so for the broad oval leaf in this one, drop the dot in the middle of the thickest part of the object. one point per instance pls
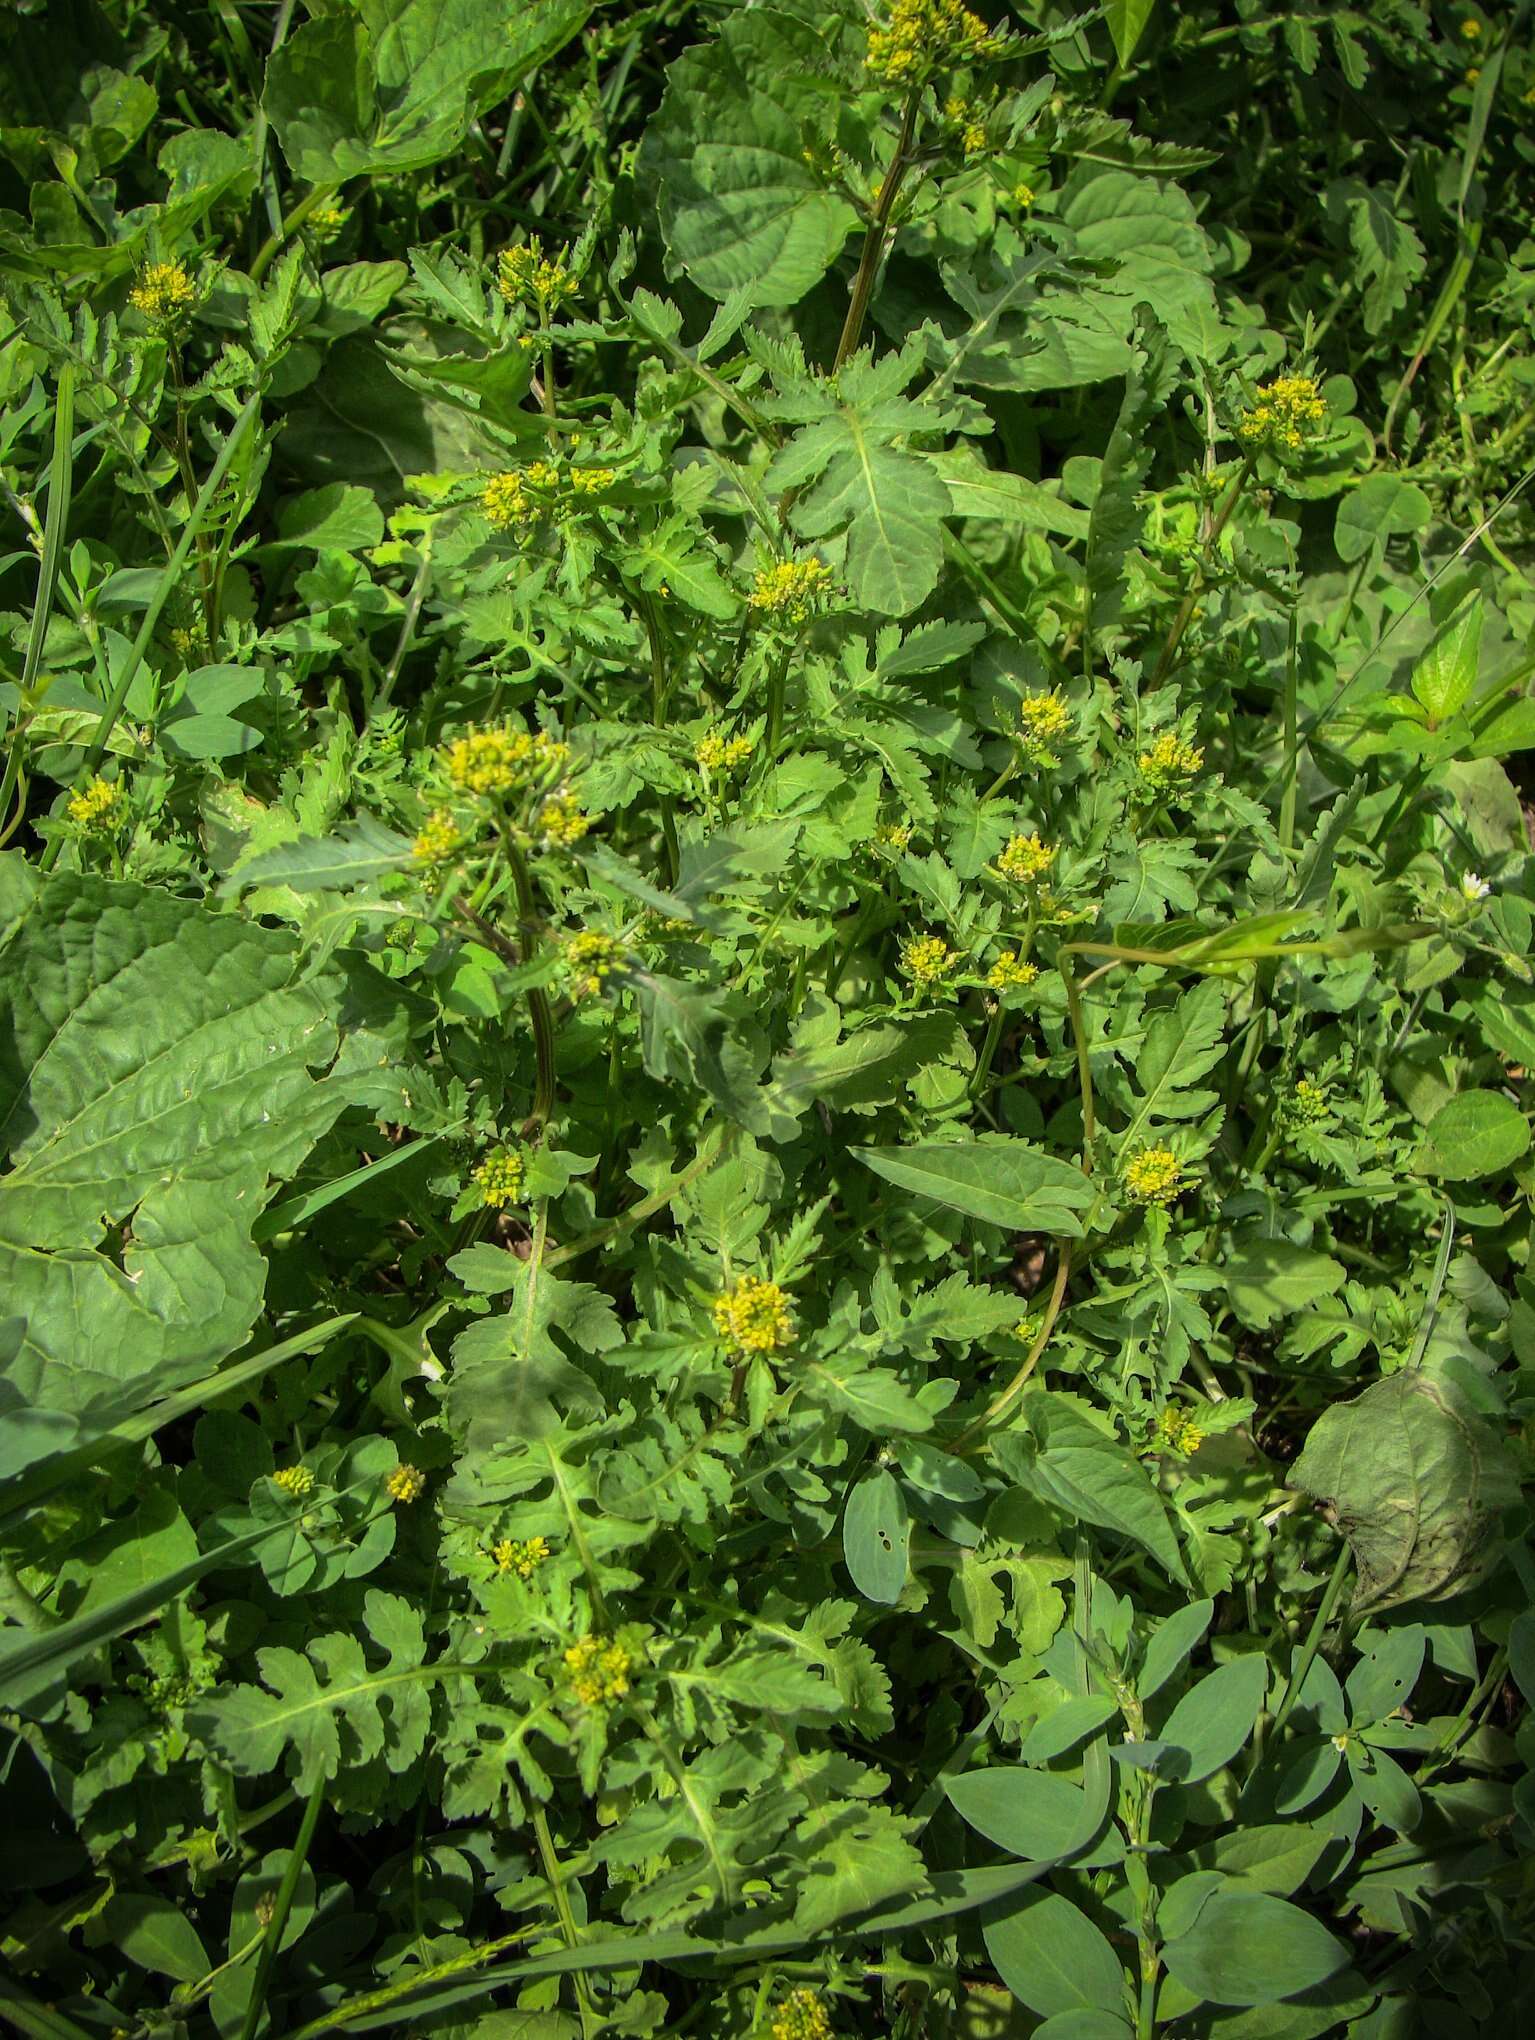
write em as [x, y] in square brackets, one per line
[1004, 1182]
[1246, 1948]
[876, 1529]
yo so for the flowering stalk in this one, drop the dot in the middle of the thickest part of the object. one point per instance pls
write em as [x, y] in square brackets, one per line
[540, 1013]
[196, 518]
[60, 486]
[874, 238]
[1196, 586]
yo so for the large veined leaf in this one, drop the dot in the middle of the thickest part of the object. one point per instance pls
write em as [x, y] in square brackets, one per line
[390, 85]
[1416, 1480]
[156, 1069]
[1039, 321]
[854, 470]
[740, 206]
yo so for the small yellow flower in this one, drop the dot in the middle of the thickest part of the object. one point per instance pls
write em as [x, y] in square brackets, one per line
[1010, 973]
[1169, 765]
[563, 821]
[791, 591]
[590, 960]
[597, 1671]
[326, 221]
[892, 840]
[754, 1316]
[924, 36]
[507, 504]
[1026, 859]
[1023, 196]
[720, 754]
[499, 1178]
[163, 293]
[927, 959]
[1471, 28]
[801, 2016]
[526, 274]
[520, 1555]
[1289, 410]
[1044, 721]
[1307, 1103]
[97, 806]
[504, 760]
[440, 839]
[591, 481]
[295, 1481]
[406, 1484]
[1473, 73]
[1154, 1176]
[1178, 1431]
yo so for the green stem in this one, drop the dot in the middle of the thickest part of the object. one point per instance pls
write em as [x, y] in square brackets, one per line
[168, 580]
[874, 238]
[1291, 737]
[774, 734]
[1196, 587]
[1313, 1643]
[60, 487]
[408, 624]
[647, 1207]
[554, 1877]
[282, 1905]
[988, 1050]
[540, 1013]
[292, 220]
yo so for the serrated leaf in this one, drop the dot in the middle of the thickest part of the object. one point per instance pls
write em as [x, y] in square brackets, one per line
[206, 1093]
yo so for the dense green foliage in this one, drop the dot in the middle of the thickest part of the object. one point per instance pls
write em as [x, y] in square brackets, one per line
[766, 1019]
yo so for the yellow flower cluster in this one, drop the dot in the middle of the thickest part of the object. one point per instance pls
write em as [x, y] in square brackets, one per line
[163, 293]
[563, 821]
[521, 497]
[1010, 973]
[968, 131]
[1288, 410]
[1023, 196]
[1026, 859]
[1178, 1431]
[1154, 1176]
[723, 755]
[95, 806]
[499, 1178]
[801, 2016]
[597, 1671]
[526, 275]
[791, 590]
[892, 839]
[506, 760]
[440, 839]
[406, 1484]
[520, 1555]
[326, 221]
[1307, 1103]
[1044, 721]
[1169, 764]
[753, 1317]
[1471, 28]
[924, 36]
[927, 959]
[296, 1481]
[590, 960]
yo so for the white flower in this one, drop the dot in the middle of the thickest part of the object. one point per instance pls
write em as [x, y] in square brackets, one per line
[1474, 886]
